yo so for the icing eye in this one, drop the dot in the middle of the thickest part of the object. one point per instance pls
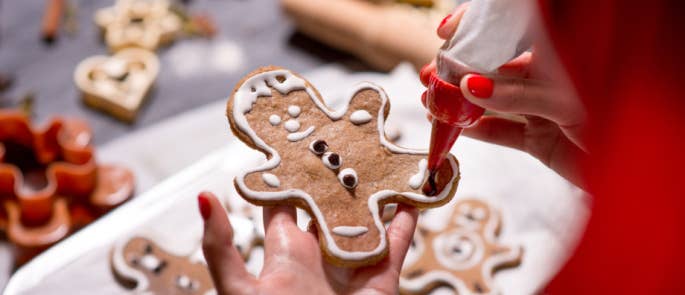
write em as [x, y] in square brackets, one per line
[460, 248]
[148, 249]
[318, 147]
[348, 178]
[331, 160]
[478, 213]
[294, 111]
[274, 120]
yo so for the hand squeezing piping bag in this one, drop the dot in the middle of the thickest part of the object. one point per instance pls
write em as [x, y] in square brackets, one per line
[491, 33]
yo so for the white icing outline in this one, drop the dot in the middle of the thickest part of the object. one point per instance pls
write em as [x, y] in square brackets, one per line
[244, 98]
[350, 230]
[297, 136]
[417, 179]
[360, 117]
[490, 231]
[124, 270]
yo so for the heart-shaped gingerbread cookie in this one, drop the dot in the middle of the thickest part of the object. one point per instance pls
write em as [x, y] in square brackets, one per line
[337, 165]
[117, 84]
[145, 24]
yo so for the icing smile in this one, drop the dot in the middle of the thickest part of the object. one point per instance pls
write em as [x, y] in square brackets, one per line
[350, 231]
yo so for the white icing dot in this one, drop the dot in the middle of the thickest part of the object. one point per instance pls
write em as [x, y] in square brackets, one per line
[392, 132]
[294, 111]
[350, 231]
[326, 158]
[271, 180]
[149, 262]
[359, 117]
[348, 172]
[292, 125]
[417, 179]
[297, 136]
[184, 282]
[274, 120]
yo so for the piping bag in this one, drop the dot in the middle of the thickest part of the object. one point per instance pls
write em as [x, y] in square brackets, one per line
[491, 33]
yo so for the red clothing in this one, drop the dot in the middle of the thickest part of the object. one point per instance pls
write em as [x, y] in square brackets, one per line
[626, 61]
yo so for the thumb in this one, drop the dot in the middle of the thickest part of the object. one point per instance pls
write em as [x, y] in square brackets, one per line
[515, 95]
[223, 259]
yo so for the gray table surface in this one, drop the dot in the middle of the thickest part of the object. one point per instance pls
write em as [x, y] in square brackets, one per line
[260, 31]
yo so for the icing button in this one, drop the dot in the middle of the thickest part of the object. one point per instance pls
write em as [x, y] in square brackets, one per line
[348, 178]
[318, 146]
[331, 160]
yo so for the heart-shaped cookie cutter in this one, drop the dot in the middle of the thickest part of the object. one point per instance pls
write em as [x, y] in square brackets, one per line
[117, 84]
[72, 190]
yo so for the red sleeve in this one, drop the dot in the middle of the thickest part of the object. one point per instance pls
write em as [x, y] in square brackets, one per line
[626, 60]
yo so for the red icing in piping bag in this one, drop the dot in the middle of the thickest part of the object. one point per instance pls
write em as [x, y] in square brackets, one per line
[451, 114]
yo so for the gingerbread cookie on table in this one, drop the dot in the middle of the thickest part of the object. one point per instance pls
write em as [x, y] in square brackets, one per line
[143, 266]
[337, 165]
[463, 256]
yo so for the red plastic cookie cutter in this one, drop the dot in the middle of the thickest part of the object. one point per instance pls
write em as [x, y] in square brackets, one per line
[50, 184]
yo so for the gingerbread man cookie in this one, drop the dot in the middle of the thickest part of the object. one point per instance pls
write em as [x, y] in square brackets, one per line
[143, 266]
[462, 256]
[336, 164]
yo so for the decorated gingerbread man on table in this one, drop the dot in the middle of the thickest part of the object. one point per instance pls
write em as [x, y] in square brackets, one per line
[335, 164]
[462, 256]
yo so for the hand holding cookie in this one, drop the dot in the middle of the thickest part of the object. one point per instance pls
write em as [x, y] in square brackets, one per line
[335, 164]
[293, 259]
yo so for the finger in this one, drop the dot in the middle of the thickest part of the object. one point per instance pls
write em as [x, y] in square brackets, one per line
[280, 224]
[400, 234]
[522, 96]
[517, 67]
[225, 263]
[561, 156]
[451, 22]
[311, 228]
[424, 73]
[498, 131]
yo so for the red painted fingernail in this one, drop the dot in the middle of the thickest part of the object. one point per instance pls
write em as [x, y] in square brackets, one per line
[423, 99]
[204, 205]
[480, 86]
[424, 74]
[444, 20]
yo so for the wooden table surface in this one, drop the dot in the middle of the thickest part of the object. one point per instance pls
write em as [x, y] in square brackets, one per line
[255, 32]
